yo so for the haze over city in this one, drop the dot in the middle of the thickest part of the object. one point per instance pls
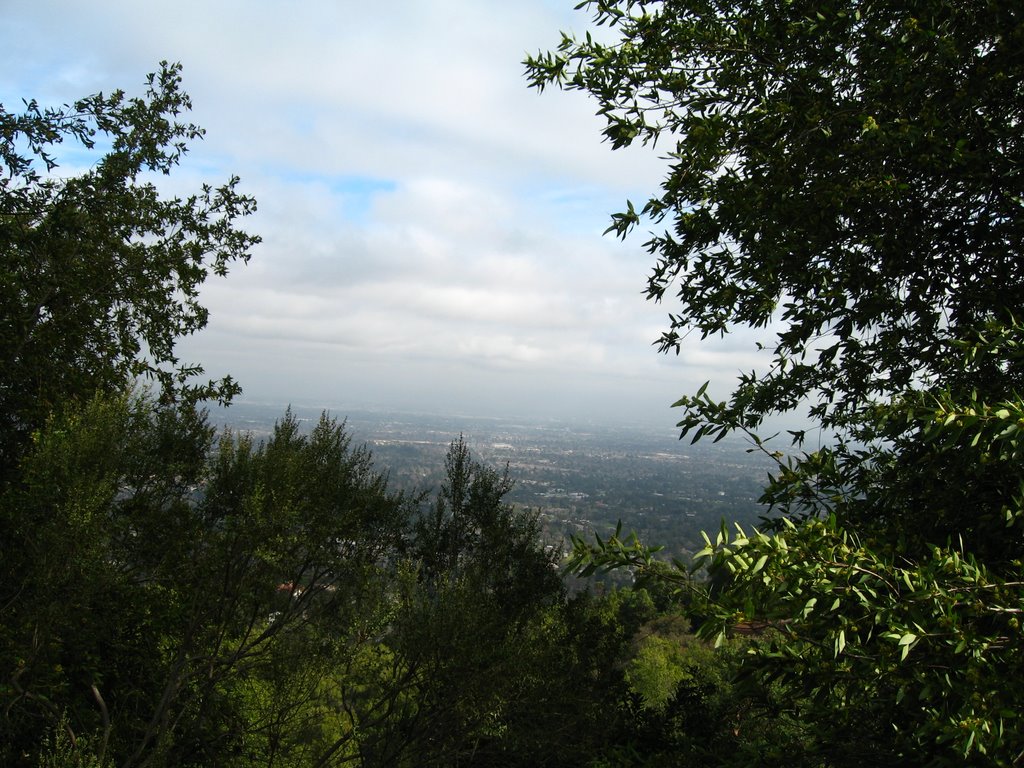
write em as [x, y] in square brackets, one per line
[432, 227]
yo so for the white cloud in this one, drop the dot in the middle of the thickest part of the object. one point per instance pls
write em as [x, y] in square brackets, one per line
[432, 227]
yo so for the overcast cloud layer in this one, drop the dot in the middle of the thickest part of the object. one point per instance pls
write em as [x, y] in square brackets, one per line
[432, 228]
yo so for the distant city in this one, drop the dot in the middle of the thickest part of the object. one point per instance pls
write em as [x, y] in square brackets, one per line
[583, 479]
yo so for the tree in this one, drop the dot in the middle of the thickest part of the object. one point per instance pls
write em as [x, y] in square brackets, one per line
[100, 271]
[472, 635]
[471, 533]
[844, 173]
[169, 604]
[846, 177]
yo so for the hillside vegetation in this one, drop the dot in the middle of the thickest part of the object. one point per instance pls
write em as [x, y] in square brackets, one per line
[846, 177]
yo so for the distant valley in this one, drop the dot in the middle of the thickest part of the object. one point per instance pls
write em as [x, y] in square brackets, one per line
[582, 478]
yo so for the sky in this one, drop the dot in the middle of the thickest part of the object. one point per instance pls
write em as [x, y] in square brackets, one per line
[432, 227]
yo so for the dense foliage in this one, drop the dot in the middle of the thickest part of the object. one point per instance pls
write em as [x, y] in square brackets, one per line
[847, 177]
[847, 173]
[843, 176]
[176, 599]
[99, 271]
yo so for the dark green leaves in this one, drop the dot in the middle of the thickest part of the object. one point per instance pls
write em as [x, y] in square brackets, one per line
[100, 272]
[871, 628]
[829, 169]
[847, 176]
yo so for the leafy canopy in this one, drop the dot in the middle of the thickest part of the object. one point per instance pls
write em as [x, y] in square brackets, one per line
[846, 173]
[100, 271]
[846, 176]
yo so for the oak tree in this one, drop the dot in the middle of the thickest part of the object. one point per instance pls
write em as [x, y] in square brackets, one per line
[844, 174]
[846, 177]
[100, 270]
